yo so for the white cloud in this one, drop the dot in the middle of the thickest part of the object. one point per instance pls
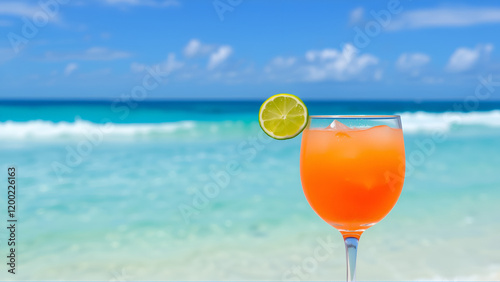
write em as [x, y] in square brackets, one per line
[345, 64]
[282, 68]
[445, 17]
[322, 55]
[465, 59]
[219, 56]
[91, 54]
[356, 15]
[70, 68]
[412, 62]
[281, 62]
[151, 3]
[324, 65]
[196, 48]
[196, 56]
[18, 9]
[169, 65]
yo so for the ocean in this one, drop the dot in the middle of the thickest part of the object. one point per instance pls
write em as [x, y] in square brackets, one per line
[193, 190]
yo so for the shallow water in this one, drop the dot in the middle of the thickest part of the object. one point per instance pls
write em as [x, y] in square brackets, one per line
[196, 192]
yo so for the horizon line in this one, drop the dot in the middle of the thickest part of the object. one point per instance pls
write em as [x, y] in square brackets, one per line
[110, 100]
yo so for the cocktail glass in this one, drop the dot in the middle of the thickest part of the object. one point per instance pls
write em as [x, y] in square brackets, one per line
[352, 170]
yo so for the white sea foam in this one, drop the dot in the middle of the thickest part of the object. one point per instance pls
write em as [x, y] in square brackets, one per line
[413, 122]
[40, 129]
[425, 122]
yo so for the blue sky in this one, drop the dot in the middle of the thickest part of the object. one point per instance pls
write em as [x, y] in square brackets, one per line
[247, 49]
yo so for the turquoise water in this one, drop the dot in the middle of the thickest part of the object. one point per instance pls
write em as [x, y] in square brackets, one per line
[194, 191]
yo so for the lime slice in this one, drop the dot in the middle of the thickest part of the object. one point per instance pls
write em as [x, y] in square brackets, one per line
[283, 116]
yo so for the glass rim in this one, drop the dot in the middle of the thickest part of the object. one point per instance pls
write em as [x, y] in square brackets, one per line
[355, 116]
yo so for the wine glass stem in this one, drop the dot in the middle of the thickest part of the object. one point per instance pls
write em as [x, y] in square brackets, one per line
[351, 250]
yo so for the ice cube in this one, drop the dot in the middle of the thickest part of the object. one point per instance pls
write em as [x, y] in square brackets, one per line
[337, 125]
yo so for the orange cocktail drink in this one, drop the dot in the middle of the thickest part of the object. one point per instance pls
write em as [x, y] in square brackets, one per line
[352, 177]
